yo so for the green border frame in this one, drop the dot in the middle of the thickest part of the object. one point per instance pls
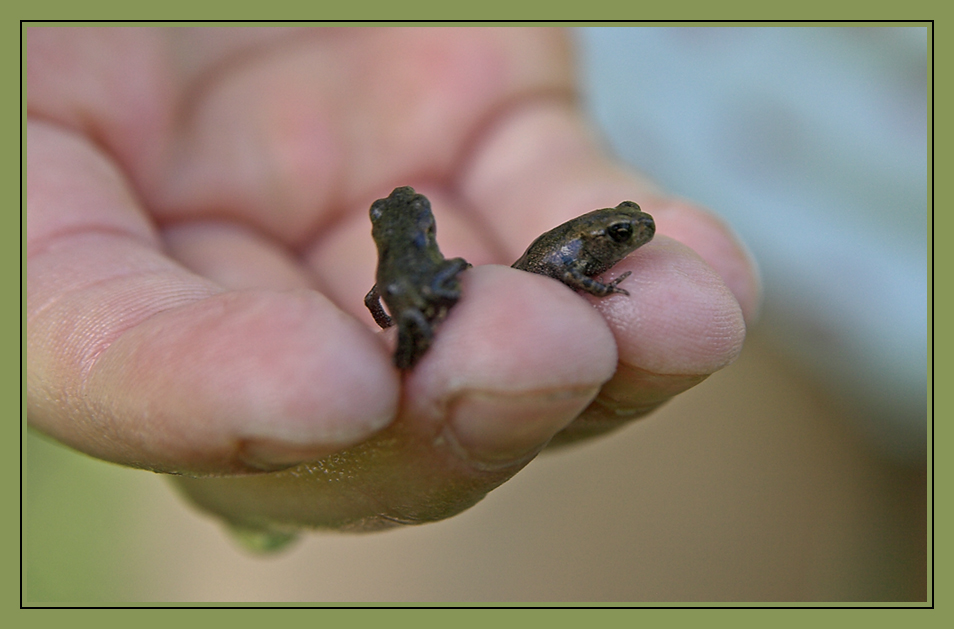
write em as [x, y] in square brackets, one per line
[427, 11]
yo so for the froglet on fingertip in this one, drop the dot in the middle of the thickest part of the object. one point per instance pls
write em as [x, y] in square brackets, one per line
[582, 248]
[416, 283]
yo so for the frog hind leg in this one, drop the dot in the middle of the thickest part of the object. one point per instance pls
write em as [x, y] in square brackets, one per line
[373, 302]
[576, 280]
[414, 338]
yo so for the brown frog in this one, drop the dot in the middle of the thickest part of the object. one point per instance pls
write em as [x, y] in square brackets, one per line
[417, 284]
[588, 245]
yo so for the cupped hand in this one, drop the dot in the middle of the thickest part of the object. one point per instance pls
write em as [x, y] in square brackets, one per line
[199, 247]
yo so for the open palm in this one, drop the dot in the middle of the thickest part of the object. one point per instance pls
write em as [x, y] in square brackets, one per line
[199, 247]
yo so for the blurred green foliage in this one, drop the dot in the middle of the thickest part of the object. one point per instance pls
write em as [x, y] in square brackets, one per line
[76, 540]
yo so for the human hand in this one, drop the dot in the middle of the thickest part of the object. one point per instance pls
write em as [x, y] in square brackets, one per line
[199, 246]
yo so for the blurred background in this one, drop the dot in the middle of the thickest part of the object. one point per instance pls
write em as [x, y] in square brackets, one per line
[796, 474]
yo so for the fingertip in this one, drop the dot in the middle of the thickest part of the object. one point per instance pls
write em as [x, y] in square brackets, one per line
[716, 243]
[680, 319]
[518, 359]
[248, 378]
[519, 331]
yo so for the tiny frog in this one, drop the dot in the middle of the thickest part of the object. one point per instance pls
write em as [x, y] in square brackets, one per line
[417, 284]
[582, 248]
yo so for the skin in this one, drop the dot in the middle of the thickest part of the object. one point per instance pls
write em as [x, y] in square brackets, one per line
[198, 252]
[589, 245]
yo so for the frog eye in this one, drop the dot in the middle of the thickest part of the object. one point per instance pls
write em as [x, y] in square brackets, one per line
[377, 209]
[620, 232]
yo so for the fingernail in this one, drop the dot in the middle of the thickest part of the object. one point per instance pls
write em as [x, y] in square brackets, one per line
[499, 429]
[272, 455]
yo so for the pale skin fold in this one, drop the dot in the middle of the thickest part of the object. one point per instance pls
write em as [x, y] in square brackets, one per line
[199, 248]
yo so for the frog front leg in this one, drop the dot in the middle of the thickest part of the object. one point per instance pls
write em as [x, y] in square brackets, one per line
[574, 278]
[373, 302]
[414, 338]
[445, 280]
